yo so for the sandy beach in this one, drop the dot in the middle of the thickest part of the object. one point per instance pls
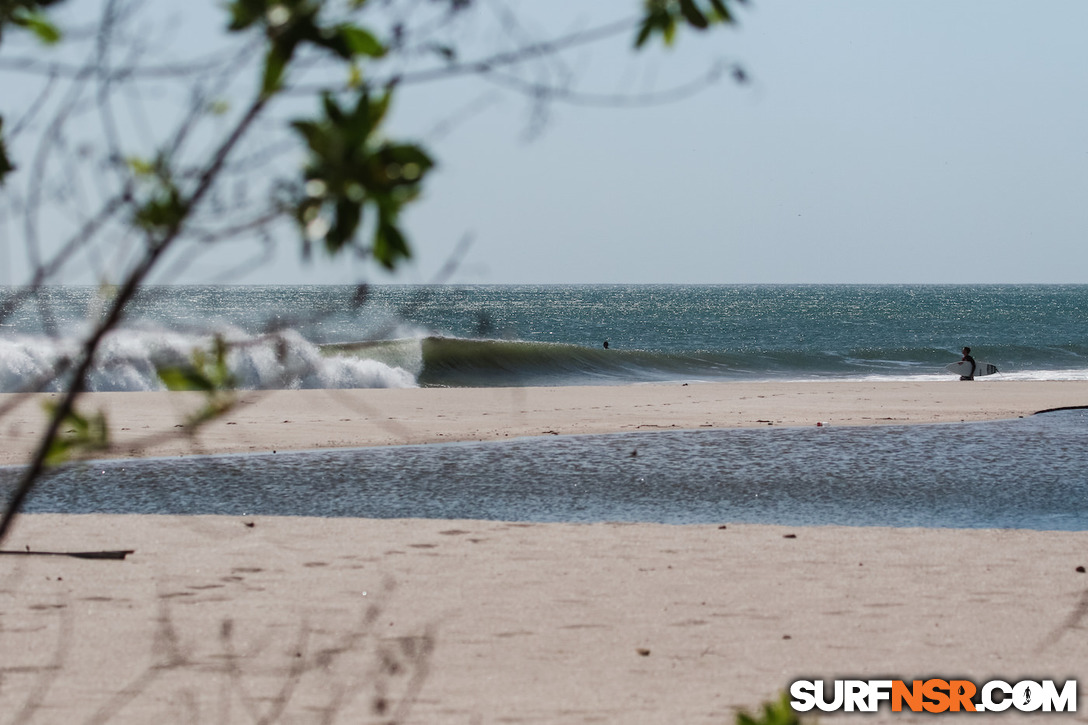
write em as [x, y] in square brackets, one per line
[308, 620]
[153, 423]
[259, 619]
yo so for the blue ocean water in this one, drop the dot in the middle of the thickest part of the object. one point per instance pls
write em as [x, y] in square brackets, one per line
[1029, 473]
[518, 335]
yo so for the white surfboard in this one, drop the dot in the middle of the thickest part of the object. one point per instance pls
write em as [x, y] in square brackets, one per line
[962, 368]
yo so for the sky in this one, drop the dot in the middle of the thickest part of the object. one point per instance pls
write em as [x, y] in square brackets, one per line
[876, 142]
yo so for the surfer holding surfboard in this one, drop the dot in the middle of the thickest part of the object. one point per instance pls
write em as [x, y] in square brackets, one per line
[967, 368]
[968, 359]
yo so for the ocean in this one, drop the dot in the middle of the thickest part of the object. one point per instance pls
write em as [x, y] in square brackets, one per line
[526, 335]
[1029, 473]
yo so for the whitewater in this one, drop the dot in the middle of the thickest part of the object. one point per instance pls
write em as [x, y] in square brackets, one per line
[291, 337]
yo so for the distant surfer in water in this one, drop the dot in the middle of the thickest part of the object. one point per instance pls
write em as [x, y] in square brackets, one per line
[606, 344]
[967, 358]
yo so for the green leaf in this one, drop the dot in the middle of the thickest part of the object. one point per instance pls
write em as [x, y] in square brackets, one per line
[410, 154]
[184, 378]
[693, 14]
[220, 107]
[374, 110]
[354, 173]
[722, 11]
[390, 246]
[361, 41]
[209, 374]
[58, 452]
[79, 434]
[644, 32]
[244, 13]
[6, 166]
[163, 212]
[778, 712]
[668, 32]
[275, 65]
[163, 209]
[332, 109]
[141, 167]
[203, 372]
[663, 17]
[660, 20]
[214, 382]
[355, 76]
[349, 214]
[310, 131]
[37, 23]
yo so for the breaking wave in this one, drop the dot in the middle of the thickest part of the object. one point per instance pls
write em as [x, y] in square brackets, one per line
[461, 362]
[128, 360]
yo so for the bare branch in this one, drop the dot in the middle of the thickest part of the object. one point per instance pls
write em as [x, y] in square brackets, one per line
[160, 190]
[613, 100]
[45, 272]
[498, 60]
[155, 249]
[168, 71]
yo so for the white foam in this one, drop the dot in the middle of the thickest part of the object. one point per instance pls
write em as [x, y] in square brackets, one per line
[997, 377]
[128, 359]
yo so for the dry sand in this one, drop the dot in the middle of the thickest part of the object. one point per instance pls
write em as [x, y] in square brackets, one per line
[244, 620]
[548, 623]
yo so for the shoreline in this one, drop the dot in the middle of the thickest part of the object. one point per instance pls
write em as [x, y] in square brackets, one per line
[151, 424]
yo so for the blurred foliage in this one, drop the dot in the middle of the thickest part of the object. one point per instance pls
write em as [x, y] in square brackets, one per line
[204, 372]
[350, 170]
[79, 434]
[163, 208]
[26, 14]
[348, 196]
[772, 713]
[29, 15]
[5, 163]
[207, 373]
[290, 24]
[355, 186]
[664, 17]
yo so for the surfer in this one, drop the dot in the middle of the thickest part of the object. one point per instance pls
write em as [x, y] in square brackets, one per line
[606, 344]
[967, 358]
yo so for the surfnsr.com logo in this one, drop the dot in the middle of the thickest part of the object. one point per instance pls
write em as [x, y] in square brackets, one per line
[933, 695]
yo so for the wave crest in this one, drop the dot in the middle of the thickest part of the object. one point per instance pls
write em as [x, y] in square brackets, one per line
[128, 360]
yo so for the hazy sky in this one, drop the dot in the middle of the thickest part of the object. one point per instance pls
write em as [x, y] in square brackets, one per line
[878, 141]
[885, 141]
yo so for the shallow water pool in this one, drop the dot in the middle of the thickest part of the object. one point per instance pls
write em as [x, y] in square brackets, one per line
[1029, 473]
